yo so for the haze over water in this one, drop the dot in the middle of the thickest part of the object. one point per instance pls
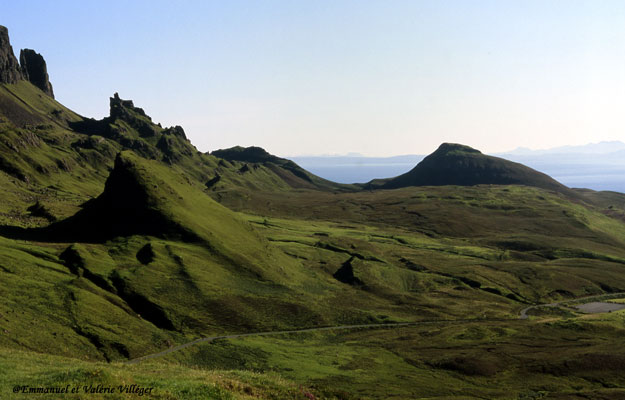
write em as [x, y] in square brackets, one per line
[592, 166]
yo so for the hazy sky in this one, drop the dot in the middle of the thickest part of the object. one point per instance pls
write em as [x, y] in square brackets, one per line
[326, 77]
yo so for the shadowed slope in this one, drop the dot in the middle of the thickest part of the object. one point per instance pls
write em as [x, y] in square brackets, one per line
[455, 164]
[144, 197]
[129, 205]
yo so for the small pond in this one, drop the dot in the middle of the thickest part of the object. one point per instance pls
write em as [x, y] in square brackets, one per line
[599, 307]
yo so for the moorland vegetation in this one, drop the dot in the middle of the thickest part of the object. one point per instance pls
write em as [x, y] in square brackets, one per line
[119, 239]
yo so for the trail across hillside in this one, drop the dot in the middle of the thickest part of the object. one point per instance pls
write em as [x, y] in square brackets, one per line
[522, 315]
[327, 328]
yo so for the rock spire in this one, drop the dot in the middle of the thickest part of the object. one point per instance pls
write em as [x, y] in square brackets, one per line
[33, 66]
[34, 70]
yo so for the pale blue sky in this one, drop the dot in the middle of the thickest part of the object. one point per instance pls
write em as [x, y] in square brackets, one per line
[324, 77]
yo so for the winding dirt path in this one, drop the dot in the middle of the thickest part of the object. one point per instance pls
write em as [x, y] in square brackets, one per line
[522, 315]
[327, 328]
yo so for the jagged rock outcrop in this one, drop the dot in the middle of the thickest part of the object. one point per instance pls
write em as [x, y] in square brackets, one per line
[34, 69]
[9, 67]
[345, 274]
[131, 127]
[33, 66]
[175, 131]
[146, 254]
[120, 109]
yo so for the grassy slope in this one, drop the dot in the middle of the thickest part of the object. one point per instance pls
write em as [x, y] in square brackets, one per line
[410, 271]
[571, 359]
[44, 157]
[167, 381]
[46, 308]
[455, 164]
[419, 254]
[292, 174]
[84, 303]
[41, 158]
[23, 103]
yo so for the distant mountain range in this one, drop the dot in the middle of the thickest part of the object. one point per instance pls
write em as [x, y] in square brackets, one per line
[605, 147]
[602, 153]
[598, 166]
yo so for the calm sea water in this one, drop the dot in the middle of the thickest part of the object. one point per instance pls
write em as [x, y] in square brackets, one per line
[596, 177]
[610, 180]
[358, 173]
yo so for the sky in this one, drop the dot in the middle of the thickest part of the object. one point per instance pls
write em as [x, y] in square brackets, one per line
[379, 78]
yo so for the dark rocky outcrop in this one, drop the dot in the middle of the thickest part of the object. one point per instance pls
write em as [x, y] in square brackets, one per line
[146, 254]
[212, 182]
[9, 67]
[120, 109]
[175, 131]
[174, 148]
[72, 259]
[33, 66]
[39, 210]
[131, 127]
[34, 69]
[126, 111]
[345, 274]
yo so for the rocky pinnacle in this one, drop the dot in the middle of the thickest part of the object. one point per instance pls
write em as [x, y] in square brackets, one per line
[33, 66]
[34, 69]
[9, 67]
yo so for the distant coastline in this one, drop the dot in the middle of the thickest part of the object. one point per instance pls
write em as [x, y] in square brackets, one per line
[592, 166]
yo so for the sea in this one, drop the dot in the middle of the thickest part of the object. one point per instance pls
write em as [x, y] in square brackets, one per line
[360, 170]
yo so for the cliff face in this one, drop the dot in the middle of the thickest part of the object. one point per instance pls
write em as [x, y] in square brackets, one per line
[35, 70]
[9, 67]
[33, 66]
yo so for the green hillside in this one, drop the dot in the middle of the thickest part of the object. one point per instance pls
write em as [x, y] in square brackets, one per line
[455, 164]
[120, 240]
[294, 175]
